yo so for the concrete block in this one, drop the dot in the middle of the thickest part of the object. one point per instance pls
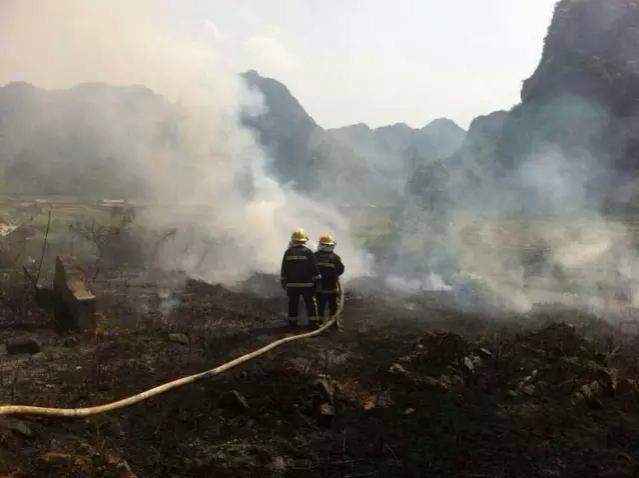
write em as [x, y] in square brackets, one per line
[75, 304]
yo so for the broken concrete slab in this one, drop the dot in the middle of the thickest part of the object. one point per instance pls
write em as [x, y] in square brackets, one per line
[75, 304]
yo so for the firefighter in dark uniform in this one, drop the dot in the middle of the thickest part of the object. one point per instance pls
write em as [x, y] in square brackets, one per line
[300, 277]
[331, 268]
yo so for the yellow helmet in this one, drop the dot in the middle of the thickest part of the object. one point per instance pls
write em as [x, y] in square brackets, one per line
[326, 240]
[299, 235]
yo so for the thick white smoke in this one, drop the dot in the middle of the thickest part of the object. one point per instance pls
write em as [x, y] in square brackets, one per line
[534, 235]
[232, 220]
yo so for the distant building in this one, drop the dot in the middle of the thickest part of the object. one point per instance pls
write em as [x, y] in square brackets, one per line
[112, 202]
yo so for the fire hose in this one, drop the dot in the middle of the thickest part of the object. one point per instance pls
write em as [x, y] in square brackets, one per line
[132, 400]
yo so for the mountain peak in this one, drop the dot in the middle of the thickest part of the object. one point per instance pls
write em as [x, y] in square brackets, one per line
[441, 123]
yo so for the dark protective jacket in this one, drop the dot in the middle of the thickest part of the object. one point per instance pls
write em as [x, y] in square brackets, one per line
[299, 268]
[331, 267]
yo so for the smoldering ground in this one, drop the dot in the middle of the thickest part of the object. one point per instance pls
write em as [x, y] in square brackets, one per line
[534, 233]
[185, 151]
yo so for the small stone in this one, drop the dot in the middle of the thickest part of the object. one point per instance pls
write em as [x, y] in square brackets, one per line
[485, 354]
[397, 369]
[369, 403]
[477, 361]
[528, 390]
[468, 364]
[182, 339]
[383, 401]
[120, 467]
[325, 387]
[586, 393]
[446, 382]
[409, 411]
[438, 385]
[595, 389]
[278, 464]
[23, 346]
[234, 401]
[511, 394]
[18, 427]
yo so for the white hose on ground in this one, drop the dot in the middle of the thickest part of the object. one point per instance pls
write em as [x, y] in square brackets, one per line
[126, 402]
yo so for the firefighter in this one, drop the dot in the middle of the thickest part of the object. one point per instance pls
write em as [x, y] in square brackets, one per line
[300, 277]
[331, 268]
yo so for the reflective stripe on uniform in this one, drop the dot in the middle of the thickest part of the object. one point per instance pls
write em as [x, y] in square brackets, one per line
[326, 264]
[296, 258]
[325, 291]
[300, 284]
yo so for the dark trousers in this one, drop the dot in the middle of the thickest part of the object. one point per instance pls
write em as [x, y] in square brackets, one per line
[308, 295]
[324, 299]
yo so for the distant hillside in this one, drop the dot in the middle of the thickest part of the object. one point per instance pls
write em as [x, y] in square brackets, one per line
[439, 182]
[285, 129]
[579, 114]
[86, 140]
[582, 102]
[355, 163]
[80, 141]
[438, 139]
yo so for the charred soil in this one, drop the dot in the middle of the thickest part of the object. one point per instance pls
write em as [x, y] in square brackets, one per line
[396, 393]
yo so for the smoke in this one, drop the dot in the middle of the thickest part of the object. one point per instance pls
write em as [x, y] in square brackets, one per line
[533, 233]
[204, 169]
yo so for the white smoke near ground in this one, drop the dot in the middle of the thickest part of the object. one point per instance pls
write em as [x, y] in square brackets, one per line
[209, 183]
[534, 236]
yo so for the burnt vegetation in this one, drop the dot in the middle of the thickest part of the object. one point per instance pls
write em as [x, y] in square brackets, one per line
[408, 392]
[411, 387]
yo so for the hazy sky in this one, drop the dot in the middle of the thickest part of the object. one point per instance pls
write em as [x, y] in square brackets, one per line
[381, 61]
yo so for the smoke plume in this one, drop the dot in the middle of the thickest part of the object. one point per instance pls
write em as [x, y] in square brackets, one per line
[205, 170]
[533, 233]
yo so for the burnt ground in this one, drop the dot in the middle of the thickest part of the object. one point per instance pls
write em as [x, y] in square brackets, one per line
[423, 392]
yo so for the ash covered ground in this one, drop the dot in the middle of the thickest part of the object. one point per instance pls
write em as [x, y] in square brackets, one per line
[419, 390]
